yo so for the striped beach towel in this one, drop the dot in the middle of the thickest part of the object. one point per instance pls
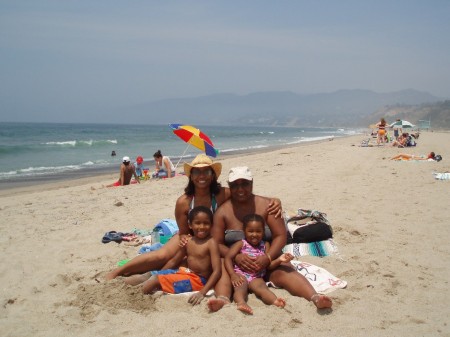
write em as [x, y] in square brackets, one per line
[320, 248]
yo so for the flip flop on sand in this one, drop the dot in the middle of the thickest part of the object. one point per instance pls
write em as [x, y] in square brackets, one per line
[112, 236]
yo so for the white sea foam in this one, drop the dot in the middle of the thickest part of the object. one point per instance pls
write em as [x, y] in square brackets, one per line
[310, 139]
[66, 143]
[244, 148]
[89, 142]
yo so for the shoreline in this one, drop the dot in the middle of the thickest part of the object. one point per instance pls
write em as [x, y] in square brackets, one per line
[28, 184]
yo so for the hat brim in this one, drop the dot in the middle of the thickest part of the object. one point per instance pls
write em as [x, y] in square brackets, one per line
[240, 178]
[216, 167]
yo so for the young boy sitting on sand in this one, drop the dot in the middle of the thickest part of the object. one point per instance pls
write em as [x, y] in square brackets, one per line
[253, 245]
[203, 262]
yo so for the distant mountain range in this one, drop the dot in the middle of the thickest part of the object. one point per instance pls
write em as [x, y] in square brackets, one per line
[343, 108]
[437, 114]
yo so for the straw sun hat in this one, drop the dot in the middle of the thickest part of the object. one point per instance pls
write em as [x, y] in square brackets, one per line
[202, 160]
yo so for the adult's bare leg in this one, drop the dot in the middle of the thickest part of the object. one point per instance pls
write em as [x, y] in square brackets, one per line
[151, 285]
[286, 277]
[149, 261]
[134, 280]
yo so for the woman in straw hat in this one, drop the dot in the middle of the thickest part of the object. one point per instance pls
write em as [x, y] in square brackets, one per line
[202, 189]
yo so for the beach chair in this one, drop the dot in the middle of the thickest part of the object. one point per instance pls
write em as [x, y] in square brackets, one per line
[365, 143]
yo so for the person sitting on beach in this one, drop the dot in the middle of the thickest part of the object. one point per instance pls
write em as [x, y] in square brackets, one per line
[164, 166]
[406, 156]
[228, 229]
[202, 189]
[127, 170]
[401, 140]
[242, 281]
[203, 262]
[139, 166]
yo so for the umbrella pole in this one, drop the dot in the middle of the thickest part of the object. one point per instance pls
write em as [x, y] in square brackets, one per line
[181, 157]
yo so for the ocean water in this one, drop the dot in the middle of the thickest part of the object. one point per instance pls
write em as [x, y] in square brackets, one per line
[35, 151]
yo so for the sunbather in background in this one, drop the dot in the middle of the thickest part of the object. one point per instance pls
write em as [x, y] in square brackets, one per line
[405, 156]
[401, 140]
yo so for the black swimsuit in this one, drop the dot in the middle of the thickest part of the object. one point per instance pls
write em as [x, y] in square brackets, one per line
[232, 236]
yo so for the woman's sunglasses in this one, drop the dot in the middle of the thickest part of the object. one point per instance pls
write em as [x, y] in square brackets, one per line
[196, 172]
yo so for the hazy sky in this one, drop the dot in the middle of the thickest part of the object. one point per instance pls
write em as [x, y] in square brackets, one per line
[65, 60]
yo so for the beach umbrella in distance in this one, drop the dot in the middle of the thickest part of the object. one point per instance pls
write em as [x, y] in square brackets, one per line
[193, 136]
[402, 124]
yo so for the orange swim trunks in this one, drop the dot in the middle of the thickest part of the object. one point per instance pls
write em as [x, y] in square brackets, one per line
[381, 132]
[182, 281]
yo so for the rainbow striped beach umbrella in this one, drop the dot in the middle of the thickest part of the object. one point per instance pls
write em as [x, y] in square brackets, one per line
[195, 137]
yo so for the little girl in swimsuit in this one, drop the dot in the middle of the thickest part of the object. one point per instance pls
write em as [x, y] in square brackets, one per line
[243, 281]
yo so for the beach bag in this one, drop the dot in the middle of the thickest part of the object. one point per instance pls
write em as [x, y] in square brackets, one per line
[411, 141]
[167, 227]
[308, 226]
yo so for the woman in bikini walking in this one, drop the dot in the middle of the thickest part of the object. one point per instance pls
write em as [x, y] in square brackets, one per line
[382, 125]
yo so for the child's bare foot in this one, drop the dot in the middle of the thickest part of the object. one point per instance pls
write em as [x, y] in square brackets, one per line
[244, 308]
[321, 301]
[110, 276]
[280, 302]
[134, 280]
[215, 304]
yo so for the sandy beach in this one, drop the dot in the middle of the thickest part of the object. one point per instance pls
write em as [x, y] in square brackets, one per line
[390, 219]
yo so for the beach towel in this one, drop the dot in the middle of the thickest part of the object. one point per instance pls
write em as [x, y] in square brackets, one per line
[189, 293]
[149, 248]
[365, 143]
[319, 248]
[117, 183]
[442, 176]
[322, 281]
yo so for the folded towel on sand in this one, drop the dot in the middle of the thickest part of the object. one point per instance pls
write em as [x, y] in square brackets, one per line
[442, 176]
[320, 248]
[322, 281]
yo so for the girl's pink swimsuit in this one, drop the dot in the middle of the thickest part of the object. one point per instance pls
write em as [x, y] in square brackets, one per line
[249, 250]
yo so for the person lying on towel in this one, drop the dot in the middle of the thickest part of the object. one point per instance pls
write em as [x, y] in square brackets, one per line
[406, 156]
